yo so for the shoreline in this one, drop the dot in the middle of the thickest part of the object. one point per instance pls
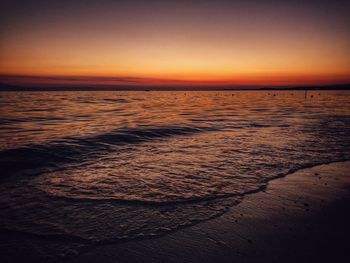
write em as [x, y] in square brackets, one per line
[301, 217]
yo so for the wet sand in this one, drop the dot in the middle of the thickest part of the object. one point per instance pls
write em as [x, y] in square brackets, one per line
[303, 217]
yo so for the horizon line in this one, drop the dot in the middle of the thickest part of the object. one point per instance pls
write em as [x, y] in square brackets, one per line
[55, 81]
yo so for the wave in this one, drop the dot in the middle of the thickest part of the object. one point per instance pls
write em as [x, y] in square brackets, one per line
[105, 238]
[40, 158]
[46, 187]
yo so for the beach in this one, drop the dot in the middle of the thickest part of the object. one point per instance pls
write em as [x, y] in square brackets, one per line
[302, 217]
[174, 131]
[201, 176]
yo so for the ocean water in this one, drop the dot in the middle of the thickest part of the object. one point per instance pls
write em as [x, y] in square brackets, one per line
[98, 167]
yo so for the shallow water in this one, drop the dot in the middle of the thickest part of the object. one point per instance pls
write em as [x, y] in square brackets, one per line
[98, 167]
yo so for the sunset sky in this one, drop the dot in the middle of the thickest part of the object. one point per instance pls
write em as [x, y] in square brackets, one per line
[174, 42]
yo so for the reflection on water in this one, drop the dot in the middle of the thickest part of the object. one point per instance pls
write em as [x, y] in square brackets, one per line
[104, 166]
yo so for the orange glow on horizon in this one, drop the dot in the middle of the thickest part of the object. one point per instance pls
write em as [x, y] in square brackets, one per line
[112, 81]
[176, 44]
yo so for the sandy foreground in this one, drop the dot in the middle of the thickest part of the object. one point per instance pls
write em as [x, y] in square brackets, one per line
[303, 217]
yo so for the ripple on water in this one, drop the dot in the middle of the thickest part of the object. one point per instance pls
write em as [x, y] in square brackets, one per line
[172, 166]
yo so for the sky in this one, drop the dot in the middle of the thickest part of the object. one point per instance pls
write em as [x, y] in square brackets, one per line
[174, 43]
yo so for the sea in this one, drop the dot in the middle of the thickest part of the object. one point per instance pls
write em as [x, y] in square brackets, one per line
[98, 167]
